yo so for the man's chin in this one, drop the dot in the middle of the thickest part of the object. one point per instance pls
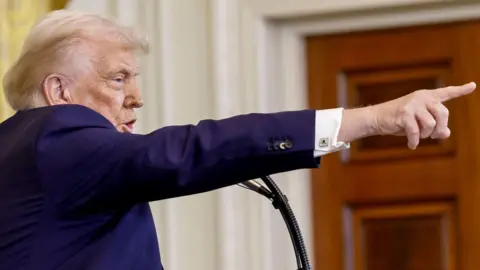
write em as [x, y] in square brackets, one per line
[125, 129]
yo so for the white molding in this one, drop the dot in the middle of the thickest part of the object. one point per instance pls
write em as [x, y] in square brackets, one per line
[282, 9]
[383, 19]
[226, 81]
[163, 81]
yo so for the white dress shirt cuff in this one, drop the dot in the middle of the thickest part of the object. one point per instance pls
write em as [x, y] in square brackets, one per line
[327, 126]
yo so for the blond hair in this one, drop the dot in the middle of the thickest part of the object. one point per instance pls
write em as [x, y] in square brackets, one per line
[55, 44]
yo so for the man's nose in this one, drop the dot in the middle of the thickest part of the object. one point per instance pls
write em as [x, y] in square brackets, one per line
[134, 99]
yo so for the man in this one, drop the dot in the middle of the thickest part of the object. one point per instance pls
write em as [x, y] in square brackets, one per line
[75, 182]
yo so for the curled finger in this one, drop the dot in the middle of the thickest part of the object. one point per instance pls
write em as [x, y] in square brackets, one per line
[426, 122]
[413, 133]
[440, 113]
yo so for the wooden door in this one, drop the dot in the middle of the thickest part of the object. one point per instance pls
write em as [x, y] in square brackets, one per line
[379, 205]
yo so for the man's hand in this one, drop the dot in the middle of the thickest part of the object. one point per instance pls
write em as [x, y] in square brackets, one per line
[418, 115]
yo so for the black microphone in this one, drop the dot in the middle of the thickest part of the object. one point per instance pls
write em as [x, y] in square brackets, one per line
[257, 187]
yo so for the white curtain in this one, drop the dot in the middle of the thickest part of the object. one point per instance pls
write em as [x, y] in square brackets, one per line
[198, 69]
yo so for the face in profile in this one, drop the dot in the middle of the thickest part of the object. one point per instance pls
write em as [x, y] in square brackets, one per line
[109, 87]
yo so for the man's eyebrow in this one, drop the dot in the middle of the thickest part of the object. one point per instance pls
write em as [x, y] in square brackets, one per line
[127, 72]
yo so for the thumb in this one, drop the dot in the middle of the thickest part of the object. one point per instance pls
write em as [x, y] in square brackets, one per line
[451, 92]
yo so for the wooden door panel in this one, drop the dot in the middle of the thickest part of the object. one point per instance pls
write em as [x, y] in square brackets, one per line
[398, 237]
[380, 205]
[379, 85]
[371, 47]
[391, 181]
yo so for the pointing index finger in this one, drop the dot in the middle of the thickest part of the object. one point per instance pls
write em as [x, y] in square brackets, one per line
[451, 92]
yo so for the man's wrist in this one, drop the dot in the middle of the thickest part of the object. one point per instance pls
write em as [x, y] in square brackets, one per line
[358, 123]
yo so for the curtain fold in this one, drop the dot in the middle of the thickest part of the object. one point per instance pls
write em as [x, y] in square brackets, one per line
[16, 19]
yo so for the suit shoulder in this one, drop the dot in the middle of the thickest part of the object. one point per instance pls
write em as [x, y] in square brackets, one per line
[72, 117]
[63, 125]
[39, 121]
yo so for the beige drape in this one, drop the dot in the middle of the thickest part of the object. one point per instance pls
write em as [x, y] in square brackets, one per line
[16, 19]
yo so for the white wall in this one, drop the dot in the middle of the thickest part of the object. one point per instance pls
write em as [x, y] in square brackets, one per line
[228, 59]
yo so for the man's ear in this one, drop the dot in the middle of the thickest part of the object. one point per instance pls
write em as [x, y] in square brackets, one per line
[55, 89]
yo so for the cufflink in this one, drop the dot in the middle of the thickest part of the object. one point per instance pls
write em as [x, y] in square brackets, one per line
[324, 142]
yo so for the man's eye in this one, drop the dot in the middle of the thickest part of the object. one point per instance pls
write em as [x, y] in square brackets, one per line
[119, 80]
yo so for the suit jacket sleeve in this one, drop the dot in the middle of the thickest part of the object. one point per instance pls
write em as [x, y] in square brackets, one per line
[84, 163]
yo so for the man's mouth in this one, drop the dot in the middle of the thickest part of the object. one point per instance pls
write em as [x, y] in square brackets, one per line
[130, 125]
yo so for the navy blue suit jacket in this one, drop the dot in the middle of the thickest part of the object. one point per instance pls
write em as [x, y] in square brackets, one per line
[74, 192]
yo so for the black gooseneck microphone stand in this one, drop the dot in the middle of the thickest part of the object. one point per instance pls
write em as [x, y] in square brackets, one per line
[280, 202]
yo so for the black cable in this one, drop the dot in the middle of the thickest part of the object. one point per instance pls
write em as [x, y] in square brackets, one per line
[280, 202]
[292, 238]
